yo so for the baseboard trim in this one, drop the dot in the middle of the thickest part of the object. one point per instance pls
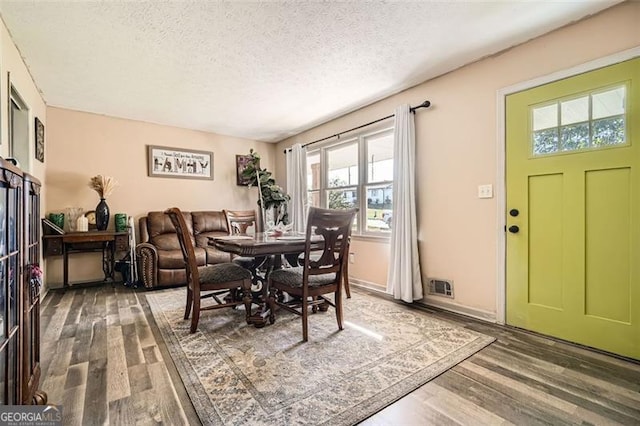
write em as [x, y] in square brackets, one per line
[367, 285]
[459, 309]
[428, 303]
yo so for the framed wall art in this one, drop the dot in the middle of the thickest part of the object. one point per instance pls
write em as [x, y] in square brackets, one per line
[241, 164]
[39, 131]
[168, 162]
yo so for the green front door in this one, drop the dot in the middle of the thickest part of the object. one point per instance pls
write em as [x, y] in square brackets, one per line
[573, 209]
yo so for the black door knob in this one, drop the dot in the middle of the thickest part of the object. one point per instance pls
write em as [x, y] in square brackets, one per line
[514, 212]
[514, 229]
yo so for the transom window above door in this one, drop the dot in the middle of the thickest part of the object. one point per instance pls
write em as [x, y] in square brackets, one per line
[591, 121]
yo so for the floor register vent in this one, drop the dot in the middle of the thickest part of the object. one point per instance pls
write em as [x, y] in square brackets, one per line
[441, 287]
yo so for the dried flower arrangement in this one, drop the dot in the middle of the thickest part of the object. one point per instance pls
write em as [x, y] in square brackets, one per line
[103, 185]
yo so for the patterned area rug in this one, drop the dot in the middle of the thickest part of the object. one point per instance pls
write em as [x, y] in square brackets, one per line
[238, 374]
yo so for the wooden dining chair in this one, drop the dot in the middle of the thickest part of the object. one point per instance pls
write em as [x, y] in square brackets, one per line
[211, 281]
[320, 274]
[238, 222]
[345, 270]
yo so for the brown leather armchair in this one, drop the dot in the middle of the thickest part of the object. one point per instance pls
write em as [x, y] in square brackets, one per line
[160, 260]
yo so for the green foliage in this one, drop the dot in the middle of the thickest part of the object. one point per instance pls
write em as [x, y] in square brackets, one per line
[272, 193]
[338, 199]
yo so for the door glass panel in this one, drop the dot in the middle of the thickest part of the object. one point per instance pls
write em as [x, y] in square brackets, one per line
[3, 301]
[12, 211]
[609, 103]
[3, 377]
[545, 117]
[575, 111]
[13, 291]
[545, 141]
[608, 131]
[593, 121]
[575, 136]
[12, 368]
[3, 220]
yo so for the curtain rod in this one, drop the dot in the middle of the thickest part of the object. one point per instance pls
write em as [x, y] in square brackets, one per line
[425, 104]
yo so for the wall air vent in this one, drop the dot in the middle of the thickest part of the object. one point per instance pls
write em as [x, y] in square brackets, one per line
[441, 287]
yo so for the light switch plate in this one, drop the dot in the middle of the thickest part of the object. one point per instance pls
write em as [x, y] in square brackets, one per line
[485, 191]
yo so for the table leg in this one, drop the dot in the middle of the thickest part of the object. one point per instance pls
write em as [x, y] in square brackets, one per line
[65, 267]
[260, 318]
[108, 256]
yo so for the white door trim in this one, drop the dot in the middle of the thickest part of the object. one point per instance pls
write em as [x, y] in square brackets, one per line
[501, 195]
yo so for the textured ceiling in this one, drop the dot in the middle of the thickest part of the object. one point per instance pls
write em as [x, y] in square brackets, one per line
[259, 70]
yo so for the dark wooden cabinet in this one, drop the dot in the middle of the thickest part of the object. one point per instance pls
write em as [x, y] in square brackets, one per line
[19, 287]
[32, 283]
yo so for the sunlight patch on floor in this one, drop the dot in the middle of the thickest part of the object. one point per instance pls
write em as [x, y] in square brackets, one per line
[364, 330]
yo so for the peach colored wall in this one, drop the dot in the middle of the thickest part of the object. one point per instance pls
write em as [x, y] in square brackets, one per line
[366, 265]
[82, 145]
[456, 150]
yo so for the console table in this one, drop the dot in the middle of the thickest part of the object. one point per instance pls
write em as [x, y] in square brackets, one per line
[84, 242]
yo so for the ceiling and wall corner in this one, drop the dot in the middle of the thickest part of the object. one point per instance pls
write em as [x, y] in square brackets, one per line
[12, 64]
[259, 70]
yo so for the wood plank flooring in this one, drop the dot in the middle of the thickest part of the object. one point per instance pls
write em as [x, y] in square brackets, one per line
[104, 361]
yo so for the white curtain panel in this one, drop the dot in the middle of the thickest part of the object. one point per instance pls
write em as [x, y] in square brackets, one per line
[404, 280]
[297, 187]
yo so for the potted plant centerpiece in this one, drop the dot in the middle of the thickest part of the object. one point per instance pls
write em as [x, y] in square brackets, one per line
[271, 197]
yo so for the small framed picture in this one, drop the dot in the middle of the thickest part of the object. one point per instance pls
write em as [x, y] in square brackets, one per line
[39, 131]
[168, 162]
[241, 164]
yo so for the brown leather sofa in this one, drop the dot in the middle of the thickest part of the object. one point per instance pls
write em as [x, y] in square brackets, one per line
[160, 260]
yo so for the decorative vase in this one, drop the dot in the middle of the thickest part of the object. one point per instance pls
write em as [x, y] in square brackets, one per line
[102, 215]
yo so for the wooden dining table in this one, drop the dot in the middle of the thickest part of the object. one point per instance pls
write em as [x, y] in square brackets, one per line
[272, 252]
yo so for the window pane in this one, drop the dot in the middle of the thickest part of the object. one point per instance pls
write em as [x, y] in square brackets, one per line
[609, 103]
[380, 157]
[545, 117]
[608, 131]
[545, 141]
[379, 208]
[313, 171]
[575, 111]
[342, 166]
[575, 137]
[314, 198]
[342, 198]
